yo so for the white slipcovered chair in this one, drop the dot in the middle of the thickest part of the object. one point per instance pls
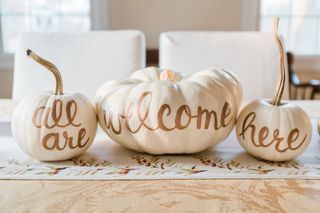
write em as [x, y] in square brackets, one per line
[252, 56]
[86, 60]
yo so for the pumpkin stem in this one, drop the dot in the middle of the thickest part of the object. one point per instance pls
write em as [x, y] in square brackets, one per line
[280, 88]
[54, 70]
[167, 75]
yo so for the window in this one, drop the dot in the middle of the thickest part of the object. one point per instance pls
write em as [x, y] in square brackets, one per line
[299, 25]
[18, 16]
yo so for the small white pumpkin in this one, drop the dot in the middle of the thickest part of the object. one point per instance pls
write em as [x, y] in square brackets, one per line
[54, 126]
[164, 113]
[274, 130]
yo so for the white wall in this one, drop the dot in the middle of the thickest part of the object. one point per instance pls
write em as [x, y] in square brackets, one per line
[155, 16]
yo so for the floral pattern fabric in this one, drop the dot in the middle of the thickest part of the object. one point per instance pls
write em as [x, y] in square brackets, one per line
[106, 160]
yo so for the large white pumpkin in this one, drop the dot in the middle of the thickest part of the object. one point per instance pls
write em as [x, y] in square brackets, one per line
[52, 126]
[164, 113]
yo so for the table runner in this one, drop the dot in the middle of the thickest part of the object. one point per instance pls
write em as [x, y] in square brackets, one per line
[106, 160]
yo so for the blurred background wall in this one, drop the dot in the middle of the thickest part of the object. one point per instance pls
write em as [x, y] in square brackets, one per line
[300, 23]
[155, 16]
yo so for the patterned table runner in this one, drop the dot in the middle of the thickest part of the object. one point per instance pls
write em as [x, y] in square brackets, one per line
[106, 160]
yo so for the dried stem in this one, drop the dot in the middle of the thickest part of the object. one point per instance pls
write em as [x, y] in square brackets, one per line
[54, 70]
[168, 75]
[280, 88]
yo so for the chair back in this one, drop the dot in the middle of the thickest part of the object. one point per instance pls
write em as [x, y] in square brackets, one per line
[85, 60]
[252, 56]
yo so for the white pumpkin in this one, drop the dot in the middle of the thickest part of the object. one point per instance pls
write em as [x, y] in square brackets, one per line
[164, 113]
[271, 129]
[54, 126]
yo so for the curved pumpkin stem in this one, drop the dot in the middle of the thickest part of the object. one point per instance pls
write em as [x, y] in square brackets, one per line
[280, 88]
[54, 70]
[167, 75]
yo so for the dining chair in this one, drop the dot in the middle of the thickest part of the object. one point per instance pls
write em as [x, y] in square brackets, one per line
[252, 56]
[296, 84]
[85, 60]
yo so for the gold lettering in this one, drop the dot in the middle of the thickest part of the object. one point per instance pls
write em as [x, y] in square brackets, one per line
[282, 144]
[178, 120]
[293, 136]
[55, 143]
[182, 118]
[162, 109]
[41, 117]
[248, 124]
